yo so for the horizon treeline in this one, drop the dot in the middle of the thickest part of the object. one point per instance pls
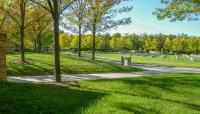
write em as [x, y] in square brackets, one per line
[123, 42]
[143, 42]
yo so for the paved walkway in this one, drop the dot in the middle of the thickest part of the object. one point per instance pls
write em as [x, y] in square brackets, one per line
[157, 68]
[51, 78]
[151, 69]
[167, 69]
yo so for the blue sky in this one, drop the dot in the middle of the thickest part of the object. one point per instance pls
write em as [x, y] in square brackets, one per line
[144, 22]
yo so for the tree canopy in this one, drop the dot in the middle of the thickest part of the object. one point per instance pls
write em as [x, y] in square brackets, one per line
[178, 10]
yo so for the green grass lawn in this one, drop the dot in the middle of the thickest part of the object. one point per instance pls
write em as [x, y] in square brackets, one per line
[161, 94]
[44, 65]
[165, 60]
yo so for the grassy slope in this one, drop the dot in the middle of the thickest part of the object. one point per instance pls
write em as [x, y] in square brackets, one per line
[169, 60]
[38, 99]
[166, 94]
[44, 65]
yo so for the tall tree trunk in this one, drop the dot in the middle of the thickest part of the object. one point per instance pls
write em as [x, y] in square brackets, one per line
[94, 42]
[56, 42]
[35, 45]
[22, 47]
[106, 47]
[79, 41]
[39, 43]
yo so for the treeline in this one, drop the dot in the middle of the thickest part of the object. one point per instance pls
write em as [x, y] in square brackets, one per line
[118, 42]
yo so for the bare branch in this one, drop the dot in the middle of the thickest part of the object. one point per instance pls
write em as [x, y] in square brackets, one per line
[65, 7]
[41, 5]
[50, 6]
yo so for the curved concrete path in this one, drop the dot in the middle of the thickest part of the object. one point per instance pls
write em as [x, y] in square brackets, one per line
[151, 69]
[51, 78]
[167, 69]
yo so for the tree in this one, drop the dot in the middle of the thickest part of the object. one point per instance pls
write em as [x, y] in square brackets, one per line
[113, 43]
[167, 45]
[87, 41]
[147, 45]
[74, 43]
[55, 8]
[75, 21]
[103, 42]
[128, 43]
[47, 39]
[107, 37]
[18, 11]
[192, 46]
[37, 28]
[154, 45]
[178, 46]
[100, 42]
[178, 10]
[100, 18]
[120, 44]
[63, 39]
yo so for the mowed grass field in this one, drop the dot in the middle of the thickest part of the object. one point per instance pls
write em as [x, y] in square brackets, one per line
[156, 94]
[164, 60]
[43, 64]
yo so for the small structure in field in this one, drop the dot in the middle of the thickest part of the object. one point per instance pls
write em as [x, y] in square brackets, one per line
[3, 48]
[126, 61]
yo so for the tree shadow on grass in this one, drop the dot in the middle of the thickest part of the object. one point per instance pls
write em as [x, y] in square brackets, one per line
[171, 85]
[157, 88]
[16, 70]
[29, 99]
[136, 109]
[167, 83]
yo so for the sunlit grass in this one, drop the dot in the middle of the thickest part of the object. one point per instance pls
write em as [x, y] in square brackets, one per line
[166, 60]
[44, 65]
[161, 94]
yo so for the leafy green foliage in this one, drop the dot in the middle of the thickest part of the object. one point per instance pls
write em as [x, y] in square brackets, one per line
[178, 10]
[118, 42]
